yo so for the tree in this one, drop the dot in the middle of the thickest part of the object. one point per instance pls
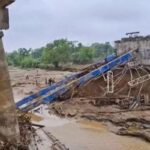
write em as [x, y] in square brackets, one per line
[24, 52]
[57, 52]
[37, 53]
[13, 58]
[83, 56]
[29, 62]
[101, 50]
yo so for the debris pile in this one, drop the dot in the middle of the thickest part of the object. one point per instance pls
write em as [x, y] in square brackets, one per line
[26, 134]
[127, 108]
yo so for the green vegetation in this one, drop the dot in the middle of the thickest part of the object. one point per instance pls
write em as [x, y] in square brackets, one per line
[59, 53]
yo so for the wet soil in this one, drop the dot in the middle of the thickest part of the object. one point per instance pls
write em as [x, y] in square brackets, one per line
[91, 102]
[85, 134]
[28, 81]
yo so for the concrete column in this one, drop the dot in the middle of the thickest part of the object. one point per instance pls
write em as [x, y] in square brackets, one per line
[8, 120]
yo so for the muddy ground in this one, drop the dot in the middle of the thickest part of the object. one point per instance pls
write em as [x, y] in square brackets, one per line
[126, 109]
[92, 102]
[28, 81]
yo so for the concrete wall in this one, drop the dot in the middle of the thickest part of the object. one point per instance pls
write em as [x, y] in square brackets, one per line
[8, 121]
[142, 43]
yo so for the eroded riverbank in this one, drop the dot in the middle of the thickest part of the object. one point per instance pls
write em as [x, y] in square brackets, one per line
[83, 134]
[78, 132]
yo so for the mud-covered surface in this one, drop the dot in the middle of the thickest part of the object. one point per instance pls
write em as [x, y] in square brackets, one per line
[127, 109]
[28, 81]
[27, 132]
[32, 136]
[123, 121]
[85, 134]
[93, 103]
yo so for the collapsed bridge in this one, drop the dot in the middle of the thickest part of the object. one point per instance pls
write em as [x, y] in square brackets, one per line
[76, 80]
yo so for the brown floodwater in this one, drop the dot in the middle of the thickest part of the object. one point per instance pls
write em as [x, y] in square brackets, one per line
[90, 135]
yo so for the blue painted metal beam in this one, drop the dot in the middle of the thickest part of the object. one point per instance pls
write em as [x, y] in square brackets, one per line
[53, 87]
[46, 90]
[93, 74]
[82, 80]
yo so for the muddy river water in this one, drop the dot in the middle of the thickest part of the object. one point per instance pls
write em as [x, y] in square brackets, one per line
[89, 135]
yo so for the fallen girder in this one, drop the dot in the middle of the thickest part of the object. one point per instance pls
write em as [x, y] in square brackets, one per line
[78, 82]
[139, 80]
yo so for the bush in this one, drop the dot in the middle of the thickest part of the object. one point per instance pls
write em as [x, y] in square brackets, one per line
[29, 62]
[46, 66]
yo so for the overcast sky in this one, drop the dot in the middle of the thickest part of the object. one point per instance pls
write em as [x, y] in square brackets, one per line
[33, 23]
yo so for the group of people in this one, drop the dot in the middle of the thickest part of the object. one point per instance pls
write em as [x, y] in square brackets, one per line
[48, 81]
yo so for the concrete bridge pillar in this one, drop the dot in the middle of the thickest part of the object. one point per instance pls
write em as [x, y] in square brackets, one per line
[8, 121]
[9, 129]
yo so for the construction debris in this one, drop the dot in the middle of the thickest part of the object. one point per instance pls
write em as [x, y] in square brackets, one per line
[108, 98]
[119, 106]
[26, 131]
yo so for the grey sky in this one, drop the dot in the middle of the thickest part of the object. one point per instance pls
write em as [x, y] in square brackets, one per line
[33, 23]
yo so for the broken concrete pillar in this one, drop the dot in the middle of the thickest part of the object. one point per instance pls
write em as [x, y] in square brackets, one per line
[8, 121]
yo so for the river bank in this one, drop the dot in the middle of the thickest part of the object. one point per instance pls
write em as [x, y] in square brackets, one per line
[85, 134]
[85, 124]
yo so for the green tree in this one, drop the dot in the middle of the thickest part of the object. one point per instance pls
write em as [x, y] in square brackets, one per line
[83, 55]
[57, 52]
[23, 52]
[13, 58]
[37, 53]
[101, 50]
[29, 62]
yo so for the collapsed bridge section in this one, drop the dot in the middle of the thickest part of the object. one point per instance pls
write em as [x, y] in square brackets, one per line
[57, 90]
